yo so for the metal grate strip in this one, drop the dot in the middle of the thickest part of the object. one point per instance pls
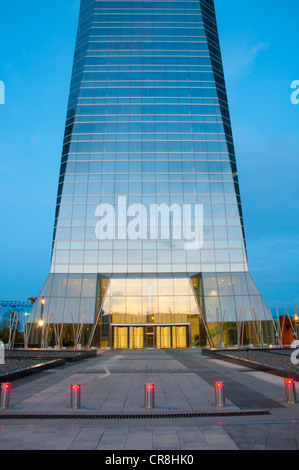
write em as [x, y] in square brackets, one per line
[223, 414]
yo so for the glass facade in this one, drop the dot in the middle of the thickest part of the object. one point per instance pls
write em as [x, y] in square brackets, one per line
[148, 121]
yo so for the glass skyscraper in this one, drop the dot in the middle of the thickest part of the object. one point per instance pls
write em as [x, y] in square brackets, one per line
[148, 125]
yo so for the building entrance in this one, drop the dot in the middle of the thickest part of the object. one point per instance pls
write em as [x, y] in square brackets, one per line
[150, 337]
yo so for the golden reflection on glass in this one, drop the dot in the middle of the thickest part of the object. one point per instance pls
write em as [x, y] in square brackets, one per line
[159, 302]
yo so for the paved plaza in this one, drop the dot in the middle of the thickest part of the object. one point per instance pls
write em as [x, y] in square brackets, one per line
[113, 383]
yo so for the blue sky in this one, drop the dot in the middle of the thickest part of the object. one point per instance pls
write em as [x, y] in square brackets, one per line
[260, 53]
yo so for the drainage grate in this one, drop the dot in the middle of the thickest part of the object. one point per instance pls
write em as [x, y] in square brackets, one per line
[223, 414]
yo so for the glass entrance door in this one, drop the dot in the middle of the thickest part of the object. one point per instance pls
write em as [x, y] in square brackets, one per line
[150, 337]
[150, 333]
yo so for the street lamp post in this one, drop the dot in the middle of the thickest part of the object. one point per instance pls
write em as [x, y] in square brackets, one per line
[41, 323]
[296, 325]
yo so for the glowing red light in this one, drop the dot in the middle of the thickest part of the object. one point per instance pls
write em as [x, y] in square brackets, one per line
[5, 386]
[289, 381]
[219, 385]
[75, 387]
[149, 386]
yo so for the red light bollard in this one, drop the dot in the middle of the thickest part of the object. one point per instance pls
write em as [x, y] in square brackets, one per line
[290, 391]
[149, 396]
[75, 397]
[219, 394]
[5, 395]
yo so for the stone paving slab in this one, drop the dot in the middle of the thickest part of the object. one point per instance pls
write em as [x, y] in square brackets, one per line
[114, 392]
[184, 379]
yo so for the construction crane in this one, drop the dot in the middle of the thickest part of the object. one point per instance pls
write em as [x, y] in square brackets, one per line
[19, 305]
[16, 317]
